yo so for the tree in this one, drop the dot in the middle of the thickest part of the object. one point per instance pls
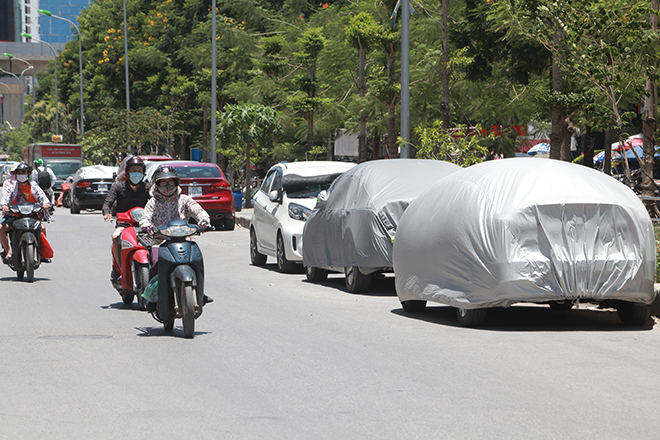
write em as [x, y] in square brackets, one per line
[244, 129]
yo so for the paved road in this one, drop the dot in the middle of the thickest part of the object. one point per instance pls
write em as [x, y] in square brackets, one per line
[276, 357]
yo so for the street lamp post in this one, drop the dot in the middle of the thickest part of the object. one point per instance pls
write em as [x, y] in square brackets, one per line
[3, 104]
[57, 110]
[18, 80]
[213, 82]
[30, 66]
[80, 64]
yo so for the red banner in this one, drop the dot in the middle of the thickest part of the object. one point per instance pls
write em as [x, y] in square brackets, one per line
[60, 151]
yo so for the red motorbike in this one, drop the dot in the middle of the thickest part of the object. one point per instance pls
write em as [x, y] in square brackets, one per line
[135, 262]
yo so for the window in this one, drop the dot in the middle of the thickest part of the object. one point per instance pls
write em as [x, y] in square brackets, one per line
[27, 10]
[267, 181]
[27, 20]
[27, 29]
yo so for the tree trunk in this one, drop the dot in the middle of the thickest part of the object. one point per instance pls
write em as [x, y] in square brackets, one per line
[558, 121]
[376, 154]
[328, 147]
[607, 159]
[246, 174]
[444, 104]
[590, 139]
[310, 131]
[649, 127]
[567, 138]
[392, 149]
[362, 91]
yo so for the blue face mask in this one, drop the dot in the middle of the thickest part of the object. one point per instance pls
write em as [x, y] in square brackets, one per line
[136, 178]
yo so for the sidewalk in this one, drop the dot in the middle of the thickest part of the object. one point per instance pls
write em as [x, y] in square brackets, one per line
[243, 218]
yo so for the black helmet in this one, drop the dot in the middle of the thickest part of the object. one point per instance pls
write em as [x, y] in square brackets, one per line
[166, 172]
[135, 160]
[23, 167]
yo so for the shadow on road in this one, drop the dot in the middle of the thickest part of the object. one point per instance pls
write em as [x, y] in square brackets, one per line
[160, 331]
[121, 306]
[381, 285]
[16, 280]
[523, 318]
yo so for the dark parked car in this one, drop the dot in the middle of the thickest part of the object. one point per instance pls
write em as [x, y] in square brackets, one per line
[90, 186]
[206, 184]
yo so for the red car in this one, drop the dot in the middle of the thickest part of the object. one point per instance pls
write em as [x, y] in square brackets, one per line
[205, 183]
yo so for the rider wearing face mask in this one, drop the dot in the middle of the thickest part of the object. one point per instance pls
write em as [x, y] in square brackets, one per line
[129, 193]
[20, 190]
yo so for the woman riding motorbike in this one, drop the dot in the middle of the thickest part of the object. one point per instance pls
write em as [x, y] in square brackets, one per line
[21, 190]
[129, 193]
[168, 203]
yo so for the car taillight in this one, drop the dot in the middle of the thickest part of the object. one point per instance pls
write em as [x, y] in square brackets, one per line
[83, 184]
[222, 185]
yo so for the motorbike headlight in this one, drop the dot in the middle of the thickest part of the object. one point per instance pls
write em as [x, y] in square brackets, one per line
[25, 209]
[136, 214]
[179, 230]
[299, 212]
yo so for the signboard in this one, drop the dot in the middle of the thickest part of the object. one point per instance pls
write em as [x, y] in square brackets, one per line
[60, 151]
[57, 138]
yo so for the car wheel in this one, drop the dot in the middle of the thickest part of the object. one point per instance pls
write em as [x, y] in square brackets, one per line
[633, 314]
[413, 305]
[356, 281]
[561, 306]
[283, 265]
[471, 317]
[256, 258]
[316, 274]
[75, 208]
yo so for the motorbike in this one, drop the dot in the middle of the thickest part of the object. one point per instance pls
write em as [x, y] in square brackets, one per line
[25, 239]
[135, 259]
[180, 276]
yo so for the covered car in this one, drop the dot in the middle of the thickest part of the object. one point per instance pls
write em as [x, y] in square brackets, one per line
[352, 230]
[90, 186]
[520, 230]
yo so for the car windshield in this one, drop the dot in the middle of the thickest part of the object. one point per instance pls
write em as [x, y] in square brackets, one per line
[197, 172]
[308, 191]
[64, 169]
[304, 187]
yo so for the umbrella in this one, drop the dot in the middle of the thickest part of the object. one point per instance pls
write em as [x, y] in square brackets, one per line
[632, 141]
[542, 148]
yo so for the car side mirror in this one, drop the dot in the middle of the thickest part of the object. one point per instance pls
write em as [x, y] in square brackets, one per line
[274, 196]
[69, 179]
[321, 199]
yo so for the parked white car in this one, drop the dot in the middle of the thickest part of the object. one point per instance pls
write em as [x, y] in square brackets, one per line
[285, 199]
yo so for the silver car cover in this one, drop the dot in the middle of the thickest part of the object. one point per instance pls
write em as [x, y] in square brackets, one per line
[357, 222]
[523, 229]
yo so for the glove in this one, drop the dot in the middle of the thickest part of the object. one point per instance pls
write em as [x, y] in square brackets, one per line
[206, 228]
[147, 230]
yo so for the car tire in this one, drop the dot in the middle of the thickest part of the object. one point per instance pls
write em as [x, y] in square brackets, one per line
[75, 208]
[229, 224]
[471, 317]
[316, 274]
[413, 305]
[633, 314]
[561, 306]
[256, 258]
[356, 281]
[283, 265]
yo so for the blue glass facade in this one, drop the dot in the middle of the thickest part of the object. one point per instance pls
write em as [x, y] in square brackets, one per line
[54, 30]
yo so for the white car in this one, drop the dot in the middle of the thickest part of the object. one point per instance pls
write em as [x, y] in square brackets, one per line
[281, 206]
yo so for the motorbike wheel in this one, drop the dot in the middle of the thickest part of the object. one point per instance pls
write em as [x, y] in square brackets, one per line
[187, 296]
[169, 325]
[19, 275]
[143, 280]
[28, 255]
[127, 297]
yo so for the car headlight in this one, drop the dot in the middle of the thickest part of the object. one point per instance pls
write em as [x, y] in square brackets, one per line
[299, 212]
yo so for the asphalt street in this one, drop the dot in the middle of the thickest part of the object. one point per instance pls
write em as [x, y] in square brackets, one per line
[276, 357]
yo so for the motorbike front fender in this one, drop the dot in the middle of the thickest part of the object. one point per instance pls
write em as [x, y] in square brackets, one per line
[28, 237]
[184, 273]
[141, 256]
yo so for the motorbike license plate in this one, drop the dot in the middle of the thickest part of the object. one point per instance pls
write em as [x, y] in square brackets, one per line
[102, 187]
[194, 191]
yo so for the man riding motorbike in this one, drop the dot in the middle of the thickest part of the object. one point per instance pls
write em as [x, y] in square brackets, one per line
[168, 203]
[20, 190]
[128, 193]
[45, 177]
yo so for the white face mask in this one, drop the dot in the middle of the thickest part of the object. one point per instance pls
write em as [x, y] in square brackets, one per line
[22, 177]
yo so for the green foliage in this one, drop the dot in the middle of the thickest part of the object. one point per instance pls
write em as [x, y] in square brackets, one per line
[459, 146]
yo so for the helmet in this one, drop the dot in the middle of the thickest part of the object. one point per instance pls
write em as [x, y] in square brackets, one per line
[23, 167]
[166, 172]
[38, 162]
[135, 160]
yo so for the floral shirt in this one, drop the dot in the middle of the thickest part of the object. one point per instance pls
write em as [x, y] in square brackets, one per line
[10, 192]
[160, 212]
